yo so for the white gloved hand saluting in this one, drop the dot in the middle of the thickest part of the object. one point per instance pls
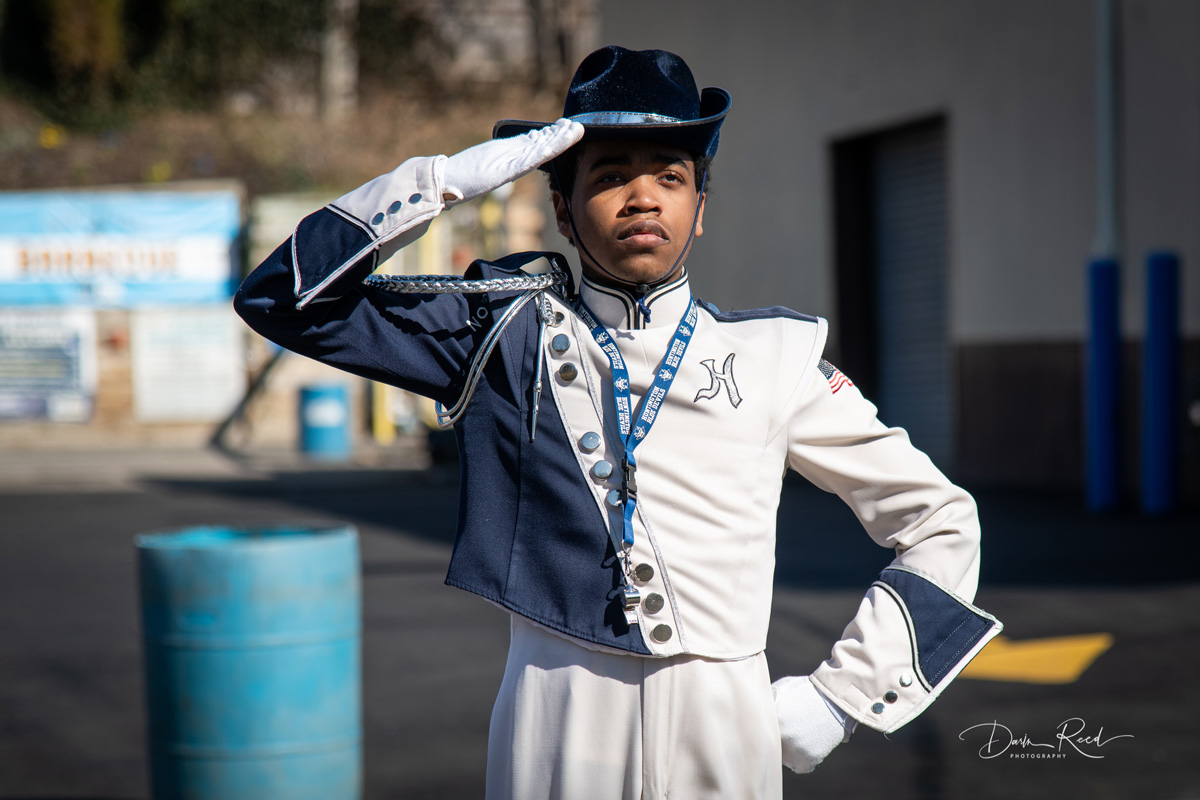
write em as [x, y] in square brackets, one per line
[480, 169]
[808, 724]
[395, 209]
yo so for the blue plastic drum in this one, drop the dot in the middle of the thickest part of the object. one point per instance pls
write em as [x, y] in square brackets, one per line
[252, 644]
[325, 421]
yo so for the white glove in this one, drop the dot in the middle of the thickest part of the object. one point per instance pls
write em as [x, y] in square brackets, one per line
[808, 725]
[480, 169]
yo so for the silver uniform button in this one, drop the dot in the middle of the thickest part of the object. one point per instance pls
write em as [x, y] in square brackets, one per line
[643, 573]
[601, 470]
[395, 206]
[613, 498]
[891, 697]
[568, 372]
[377, 219]
[906, 680]
[560, 344]
[589, 442]
[654, 603]
[878, 708]
[661, 633]
[557, 319]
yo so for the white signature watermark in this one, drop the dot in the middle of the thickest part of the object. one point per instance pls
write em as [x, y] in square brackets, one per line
[1071, 736]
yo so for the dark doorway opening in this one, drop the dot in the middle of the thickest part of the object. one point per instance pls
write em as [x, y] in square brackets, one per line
[890, 239]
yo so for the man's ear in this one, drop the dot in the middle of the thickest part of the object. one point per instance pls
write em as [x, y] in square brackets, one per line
[700, 215]
[560, 216]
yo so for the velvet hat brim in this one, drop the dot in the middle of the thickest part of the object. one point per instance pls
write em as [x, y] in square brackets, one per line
[643, 95]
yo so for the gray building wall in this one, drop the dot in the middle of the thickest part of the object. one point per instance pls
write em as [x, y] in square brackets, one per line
[1014, 81]
[485, 42]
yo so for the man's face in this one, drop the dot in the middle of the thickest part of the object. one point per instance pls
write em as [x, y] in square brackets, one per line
[633, 204]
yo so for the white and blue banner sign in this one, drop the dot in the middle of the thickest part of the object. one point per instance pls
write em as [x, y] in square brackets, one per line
[118, 249]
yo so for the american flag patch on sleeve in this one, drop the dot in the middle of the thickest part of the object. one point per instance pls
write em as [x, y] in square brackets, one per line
[834, 375]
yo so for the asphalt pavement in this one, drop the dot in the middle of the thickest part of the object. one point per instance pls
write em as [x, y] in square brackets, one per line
[72, 701]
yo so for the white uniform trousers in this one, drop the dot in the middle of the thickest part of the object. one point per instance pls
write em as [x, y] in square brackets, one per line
[580, 724]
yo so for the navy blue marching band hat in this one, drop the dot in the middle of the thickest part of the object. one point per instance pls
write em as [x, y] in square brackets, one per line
[646, 95]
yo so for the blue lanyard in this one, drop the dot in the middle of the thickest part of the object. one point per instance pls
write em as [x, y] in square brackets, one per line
[633, 434]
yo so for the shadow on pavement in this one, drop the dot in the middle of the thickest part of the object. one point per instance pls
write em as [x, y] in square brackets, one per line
[1049, 539]
[420, 503]
[1030, 537]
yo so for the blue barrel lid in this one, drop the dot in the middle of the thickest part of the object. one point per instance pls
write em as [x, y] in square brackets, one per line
[223, 536]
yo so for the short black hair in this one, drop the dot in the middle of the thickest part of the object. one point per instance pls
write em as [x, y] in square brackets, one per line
[561, 173]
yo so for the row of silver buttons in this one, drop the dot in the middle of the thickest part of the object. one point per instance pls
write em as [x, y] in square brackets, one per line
[589, 443]
[394, 208]
[890, 696]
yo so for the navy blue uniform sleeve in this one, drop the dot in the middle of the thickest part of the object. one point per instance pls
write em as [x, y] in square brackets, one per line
[420, 343]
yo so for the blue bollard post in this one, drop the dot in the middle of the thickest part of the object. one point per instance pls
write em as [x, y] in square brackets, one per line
[1160, 385]
[1103, 406]
[252, 642]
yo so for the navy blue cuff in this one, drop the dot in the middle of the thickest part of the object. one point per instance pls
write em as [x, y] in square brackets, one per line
[322, 239]
[945, 628]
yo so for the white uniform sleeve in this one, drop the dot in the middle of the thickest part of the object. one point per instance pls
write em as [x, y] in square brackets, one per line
[916, 628]
[386, 213]
[394, 210]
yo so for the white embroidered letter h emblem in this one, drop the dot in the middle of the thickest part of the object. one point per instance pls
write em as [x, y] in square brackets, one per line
[724, 377]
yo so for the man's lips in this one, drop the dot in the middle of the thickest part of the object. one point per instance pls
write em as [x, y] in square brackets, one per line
[644, 233]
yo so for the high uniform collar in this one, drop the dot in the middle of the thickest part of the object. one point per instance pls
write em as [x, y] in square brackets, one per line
[617, 308]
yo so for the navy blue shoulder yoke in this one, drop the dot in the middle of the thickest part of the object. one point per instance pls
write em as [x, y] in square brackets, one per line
[770, 312]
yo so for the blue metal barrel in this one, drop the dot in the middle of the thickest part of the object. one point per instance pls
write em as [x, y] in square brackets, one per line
[252, 641]
[325, 421]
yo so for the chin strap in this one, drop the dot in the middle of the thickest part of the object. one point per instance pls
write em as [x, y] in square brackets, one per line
[641, 289]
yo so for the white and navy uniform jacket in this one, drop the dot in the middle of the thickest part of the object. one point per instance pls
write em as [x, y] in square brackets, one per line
[751, 399]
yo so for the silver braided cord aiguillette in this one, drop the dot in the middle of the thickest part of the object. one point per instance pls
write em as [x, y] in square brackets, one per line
[529, 285]
[456, 284]
[545, 315]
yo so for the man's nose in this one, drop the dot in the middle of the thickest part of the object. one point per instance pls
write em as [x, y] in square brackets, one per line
[641, 196]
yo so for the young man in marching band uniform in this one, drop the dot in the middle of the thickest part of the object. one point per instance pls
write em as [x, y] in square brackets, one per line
[622, 454]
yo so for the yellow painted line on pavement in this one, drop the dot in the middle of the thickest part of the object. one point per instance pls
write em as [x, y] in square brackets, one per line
[1056, 659]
